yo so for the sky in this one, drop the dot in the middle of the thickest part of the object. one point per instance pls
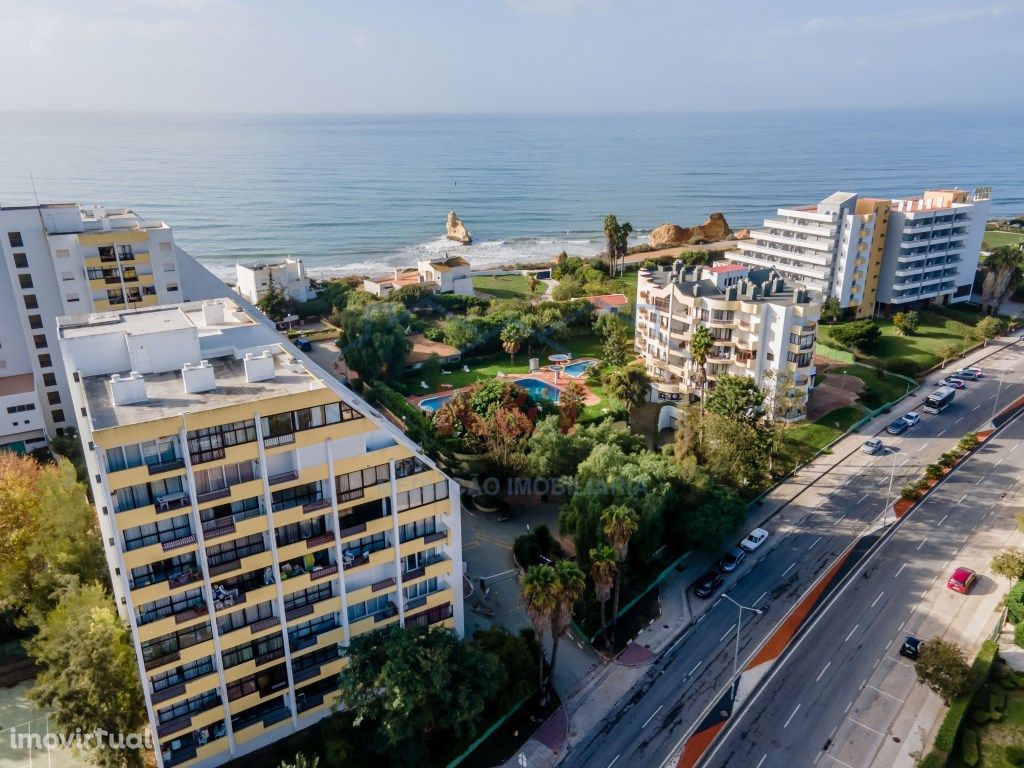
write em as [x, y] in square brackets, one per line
[533, 56]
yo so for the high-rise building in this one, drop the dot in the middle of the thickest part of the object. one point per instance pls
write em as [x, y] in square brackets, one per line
[763, 327]
[70, 259]
[256, 515]
[876, 254]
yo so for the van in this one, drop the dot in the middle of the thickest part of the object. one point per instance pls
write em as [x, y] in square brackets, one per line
[874, 445]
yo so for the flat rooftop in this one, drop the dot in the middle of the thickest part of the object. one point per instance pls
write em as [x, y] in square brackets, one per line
[168, 317]
[689, 280]
[166, 395]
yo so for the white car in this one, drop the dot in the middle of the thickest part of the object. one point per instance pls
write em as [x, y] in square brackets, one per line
[754, 539]
[872, 446]
[912, 418]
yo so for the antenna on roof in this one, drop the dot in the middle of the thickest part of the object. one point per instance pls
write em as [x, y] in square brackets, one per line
[33, 181]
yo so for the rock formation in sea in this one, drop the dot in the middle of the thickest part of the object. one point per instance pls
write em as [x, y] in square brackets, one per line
[668, 235]
[457, 230]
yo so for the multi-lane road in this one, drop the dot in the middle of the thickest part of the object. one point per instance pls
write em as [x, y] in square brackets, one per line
[650, 724]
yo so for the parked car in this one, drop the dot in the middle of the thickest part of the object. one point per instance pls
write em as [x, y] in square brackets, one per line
[897, 427]
[303, 344]
[708, 584]
[966, 375]
[962, 580]
[911, 647]
[754, 539]
[979, 371]
[912, 418]
[954, 383]
[731, 560]
[874, 445]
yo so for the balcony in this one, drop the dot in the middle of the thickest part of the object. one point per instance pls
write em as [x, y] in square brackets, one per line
[313, 506]
[323, 538]
[355, 522]
[222, 526]
[263, 624]
[216, 493]
[283, 477]
[165, 466]
[184, 541]
[299, 611]
[181, 579]
[161, 661]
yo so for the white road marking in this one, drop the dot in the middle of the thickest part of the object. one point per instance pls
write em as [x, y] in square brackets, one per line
[827, 665]
[788, 570]
[792, 716]
[878, 598]
[815, 542]
[754, 604]
[937, 613]
[652, 716]
[961, 500]
[900, 570]
[845, 711]
[941, 433]
[942, 520]
[761, 761]
[1015, 447]
[694, 667]
[866, 726]
[727, 633]
[904, 461]
[851, 632]
[840, 761]
[999, 462]
[883, 693]
[839, 518]
[863, 497]
[959, 420]
[979, 480]
[922, 543]
[613, 761]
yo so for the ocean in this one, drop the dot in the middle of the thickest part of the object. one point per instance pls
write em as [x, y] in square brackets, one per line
[367, 193]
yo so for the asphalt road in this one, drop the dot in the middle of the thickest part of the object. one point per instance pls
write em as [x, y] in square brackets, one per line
[834, 697]
[650, 722]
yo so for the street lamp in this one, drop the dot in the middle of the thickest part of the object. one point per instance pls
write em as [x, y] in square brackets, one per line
[736, 655]
[892, 476]
[998, 392]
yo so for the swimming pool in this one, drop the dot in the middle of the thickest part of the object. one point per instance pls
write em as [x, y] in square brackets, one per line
[578, 369]
[432, 404]
[540, 390]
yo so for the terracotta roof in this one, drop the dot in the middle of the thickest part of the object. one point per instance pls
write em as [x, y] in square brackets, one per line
[727, 268]
[449, 264]
[608, 301]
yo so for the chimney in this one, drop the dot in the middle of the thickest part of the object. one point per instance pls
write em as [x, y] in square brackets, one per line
[259, 367]
[198, 377]
[213, 313]
[128, 389]
[696, 289]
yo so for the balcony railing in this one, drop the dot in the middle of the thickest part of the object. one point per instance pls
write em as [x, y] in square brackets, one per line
[377, 586]
[270, 442]
[159, 661]
[190, 613]
[283, 477]
[165, 466]
[182, 579]
[308, 702]
[435, 536]
[216, 493]
[173, 726]
[295, 613]
[320, 573]
[306, 674]
[184, 541]
[259, 626]
[266, 658]
[313, 506]
[323, 538]
[168, 693]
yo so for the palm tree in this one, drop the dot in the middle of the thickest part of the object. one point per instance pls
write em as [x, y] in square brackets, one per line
[532, 282]
[1004, 268]
[616, 239]
[570, 401]
[571, 585]
[603, 567]
[630, 384]
[620, 523]
[701, 344]
[540, 599]
[512, 337]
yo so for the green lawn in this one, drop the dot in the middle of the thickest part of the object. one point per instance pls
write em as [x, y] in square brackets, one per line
[625, 283]
[994, 737]
[813, 436]
[995, 238]
[507, 286]
[878, 389]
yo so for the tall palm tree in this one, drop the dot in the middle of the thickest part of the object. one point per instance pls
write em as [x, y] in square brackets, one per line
[540, 599]
[570, 402]
[604, 565]
[616, 238]
[620, 523]
[512, 337]
[1004, 268]
[701, 344]
[630, 384]
[572, 583]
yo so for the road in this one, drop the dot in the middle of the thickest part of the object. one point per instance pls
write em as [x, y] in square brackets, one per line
[833, 699]
[653, 719]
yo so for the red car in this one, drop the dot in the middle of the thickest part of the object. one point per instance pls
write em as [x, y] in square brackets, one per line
[962, 580]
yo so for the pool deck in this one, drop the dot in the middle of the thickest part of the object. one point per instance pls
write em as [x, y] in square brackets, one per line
[544, 374]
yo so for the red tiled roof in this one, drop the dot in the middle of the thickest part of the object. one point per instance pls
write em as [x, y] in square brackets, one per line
[727, 268]
[608, 300]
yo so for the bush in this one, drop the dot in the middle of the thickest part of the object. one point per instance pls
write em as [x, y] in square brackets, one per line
[968, 442]
[982, 667]
[1018, 634]
[860, 334]
[1014, 602]
[947, 459]
[1015, 754]
[902, 366]
[969, 747]
[526, 551]
[980, 716]
[433, 333]
[933, 471]
[909, 492]
[934, 759]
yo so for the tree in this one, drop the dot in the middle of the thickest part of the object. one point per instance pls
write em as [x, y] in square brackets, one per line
[860, 334]
[411, 683]
[540, 595]
[570, 402]
[615, 332]
[1004, 268]
[88, 674]
[1009, 563]
[906, 322]
[555, 454]
[701, 345]
[504, 435]
[737, 452]
[515, 654]
[512, 337]
[604, 566]
[737, 397]
[831, 311]
[301, 761]
[630, 384]
[571, 586]
[373, 339]
[461, 333]
[989, 327]
[943, 667]
[275, 304]
[616, 241]
[620, 523]
[532, 282]
[567, 288]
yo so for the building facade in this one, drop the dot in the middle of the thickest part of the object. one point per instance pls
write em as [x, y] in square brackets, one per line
[69, 259]
[876, 254]
[256, 517]
[288, 276]
[763, 327]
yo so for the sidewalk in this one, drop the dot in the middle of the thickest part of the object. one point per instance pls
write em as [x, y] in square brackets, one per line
[588, 702]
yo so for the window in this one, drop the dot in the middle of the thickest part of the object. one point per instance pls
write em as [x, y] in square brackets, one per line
[417, 530]
[49, 380]
[182, 674]
[39, 339]
[15, 240]
[165, 246]
[168, 606]
[418, 497]
[25, 281]
[63, 253]
[21, 261]
[425, 587]
[115, 296]
[368, 607]
[408, 467]
[246, 616]
[169, 266]
[300, 531]
[159, 532]
[271, 647]
[71, 298]
[35, 321]
[31, 302]
[308, 596]
[57, 414]
[21, 408]
[53, 398]
[45, 361]
[350, 486]
[154, 573]
[160, 647]
[236, 549]
[192, 706]
[208, 444]
[125, 252]
[172, 287]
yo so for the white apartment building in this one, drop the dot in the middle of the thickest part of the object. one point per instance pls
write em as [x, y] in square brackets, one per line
[256, 516]
[289, 277]
[760, 322]
[64, 259]
[871, 253]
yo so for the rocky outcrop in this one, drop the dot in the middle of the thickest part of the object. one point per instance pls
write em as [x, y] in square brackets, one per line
[742, 234]
[457, 230]
[668, 235]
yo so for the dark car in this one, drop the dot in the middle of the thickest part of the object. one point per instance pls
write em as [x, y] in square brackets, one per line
[897, 427]
[708, 584]
[731, 560]
[911, 647]
[303, 344]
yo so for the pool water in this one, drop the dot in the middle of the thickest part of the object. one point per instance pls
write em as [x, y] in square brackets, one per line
[432, 404]
[540, 390]
[578, 369]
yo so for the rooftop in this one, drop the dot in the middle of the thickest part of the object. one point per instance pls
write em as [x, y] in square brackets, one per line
[760, 285]
[723, 268]
[449, 263]
[608, 300]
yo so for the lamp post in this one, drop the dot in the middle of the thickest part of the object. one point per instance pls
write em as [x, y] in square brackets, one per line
[998, 392]
[736, 655]
[892, 477]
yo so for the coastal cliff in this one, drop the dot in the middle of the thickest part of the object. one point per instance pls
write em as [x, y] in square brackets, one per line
[457, 230]
[667, 235]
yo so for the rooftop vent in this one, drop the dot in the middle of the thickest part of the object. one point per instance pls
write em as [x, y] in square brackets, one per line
[213, 313]
[198, 377]
[128, 389]
[259, 367]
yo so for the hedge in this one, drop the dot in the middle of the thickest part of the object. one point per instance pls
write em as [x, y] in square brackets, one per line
[1014, 602]
[982, 667]
[1015, 754]
[969, 747]
[1018, 634]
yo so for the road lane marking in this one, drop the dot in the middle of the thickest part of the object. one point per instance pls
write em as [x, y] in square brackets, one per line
[979, 480]
[788, 570]
[1015, 447]
[727, 633]
[839, 518]
[878, 598]
[815, 542]
[761, 761]
[942, 520]
[941, 433]
[840, 761]
[613, 761]
[694, 667]
[863, 497]
[904, 461]
[845, 711]
[959, 420]
[792, 716]
[855, 722]
[922, 543]
[999, 462]
[900, 570]
[851, 632]
[652, 716]
[818, 679]
[754, 604]
[884, 693]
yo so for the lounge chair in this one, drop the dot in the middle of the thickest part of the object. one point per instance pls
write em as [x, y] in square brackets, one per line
[445, 373]
[465, 369]
[423, 385]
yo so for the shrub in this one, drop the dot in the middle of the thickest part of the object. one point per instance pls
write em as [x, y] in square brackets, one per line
[947, 460]
[433, 333]
[902, 366]
[909, 492]
[1014, 602]
[968, 442]
[982, 667]
[933, 471]
[860, 334]
[1018, 634]
[1015, 754]
[980, 716]
[934, 759]
[969, 747]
